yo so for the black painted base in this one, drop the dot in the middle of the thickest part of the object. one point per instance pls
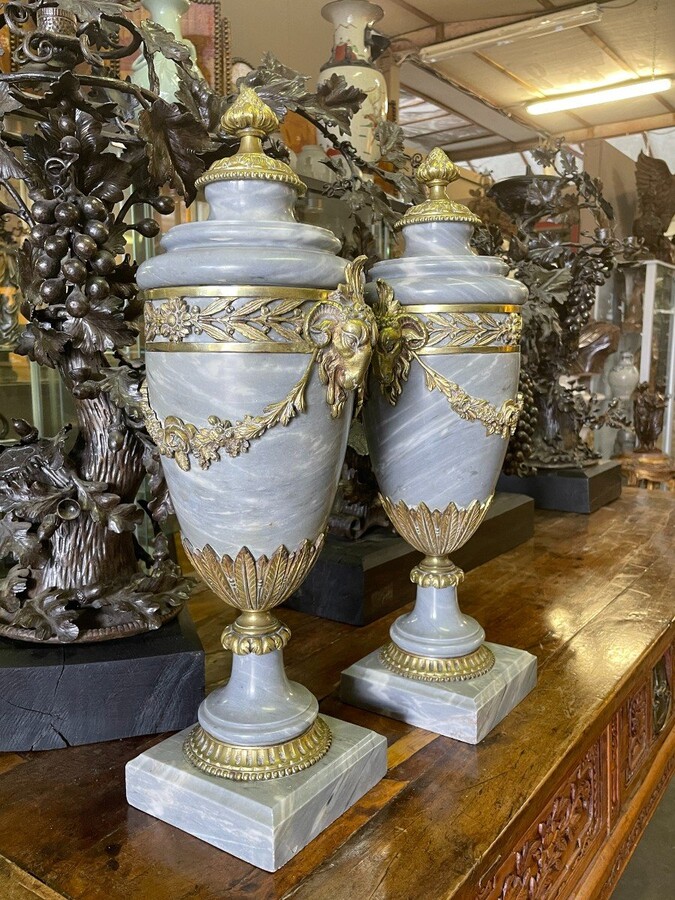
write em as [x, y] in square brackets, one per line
[569, 490]
[58, 696]
[359, 581]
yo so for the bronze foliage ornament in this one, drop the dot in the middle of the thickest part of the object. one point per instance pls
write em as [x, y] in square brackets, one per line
[338, 333]
[99, 150]
[403, 338]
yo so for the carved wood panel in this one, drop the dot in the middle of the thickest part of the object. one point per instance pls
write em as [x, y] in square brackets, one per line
[636, 730]
[558, 847]
[662, 693]
[614, 768]
[635, 833]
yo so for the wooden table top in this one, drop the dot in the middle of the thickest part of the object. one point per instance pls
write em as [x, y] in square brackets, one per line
[588, 595]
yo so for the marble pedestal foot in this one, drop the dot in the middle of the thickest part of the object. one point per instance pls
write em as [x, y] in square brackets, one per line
[464, 710]
[262, 822]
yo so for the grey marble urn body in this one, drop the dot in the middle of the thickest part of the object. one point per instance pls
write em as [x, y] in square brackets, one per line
[443, 402]
[258, 339]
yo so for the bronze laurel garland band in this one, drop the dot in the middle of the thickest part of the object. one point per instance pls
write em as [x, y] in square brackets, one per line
[235, 291]
[229, 347]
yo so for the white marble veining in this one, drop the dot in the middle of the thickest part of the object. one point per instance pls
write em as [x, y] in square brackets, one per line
[281, 490]
[439, 266]
[264, 823]
[422, 451]
[251, 237]
[258, 704]
[464, 710]
[436, 626]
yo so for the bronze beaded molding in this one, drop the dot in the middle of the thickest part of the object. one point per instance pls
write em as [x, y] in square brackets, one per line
[239, 763]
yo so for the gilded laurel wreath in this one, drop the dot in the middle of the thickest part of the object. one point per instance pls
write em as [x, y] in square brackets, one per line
[401, 335]
[254, 583]
[462, 329]
[339, 333]
[259, 319]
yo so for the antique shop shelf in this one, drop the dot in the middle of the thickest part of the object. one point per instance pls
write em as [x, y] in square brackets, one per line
[559, 792]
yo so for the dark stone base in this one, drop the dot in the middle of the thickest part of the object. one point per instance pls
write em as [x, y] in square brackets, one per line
[360, 581]
[58, 696]
[569, 490]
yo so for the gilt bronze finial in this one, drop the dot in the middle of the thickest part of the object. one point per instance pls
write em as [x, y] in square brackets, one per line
[436, 172]
[250, 119]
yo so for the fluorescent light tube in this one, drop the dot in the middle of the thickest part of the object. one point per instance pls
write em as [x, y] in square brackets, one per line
[507, 34]
[599, 95]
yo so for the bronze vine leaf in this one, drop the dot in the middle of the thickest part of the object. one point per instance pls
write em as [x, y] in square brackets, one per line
[335, 102]
[92, 10]
[17, 541]
[173, 138]
[121, 384]
[159, 40]
[159, 505]
[99, 331]
[44, 346]
[124, 517]
[197, 97]
[66, 87]
[14, 586]
[48, 615]
[390, 137]
[8, 103]
[105, 175]
[280, 87]
[10, 165]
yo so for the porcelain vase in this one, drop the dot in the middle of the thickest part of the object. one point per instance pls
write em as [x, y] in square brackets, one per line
[168, 14]
[351, 58]
[443, 404]
[254, 357]
[623, 378]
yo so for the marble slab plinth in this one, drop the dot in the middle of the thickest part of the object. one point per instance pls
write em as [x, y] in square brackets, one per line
[464, 710]
[262, 822]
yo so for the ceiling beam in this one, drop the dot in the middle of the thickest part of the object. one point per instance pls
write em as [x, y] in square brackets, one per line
[445, 31]
[507, 73]
[413, 10]
[474, 149]
[428, 82]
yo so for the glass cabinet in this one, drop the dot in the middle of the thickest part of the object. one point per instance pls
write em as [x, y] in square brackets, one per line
[657, 356]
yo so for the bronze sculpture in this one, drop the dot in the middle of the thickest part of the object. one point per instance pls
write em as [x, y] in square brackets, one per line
[648, 412]
[561, 272]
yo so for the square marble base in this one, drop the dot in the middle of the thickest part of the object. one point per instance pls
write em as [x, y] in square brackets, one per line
[464, 710]
[264, 822]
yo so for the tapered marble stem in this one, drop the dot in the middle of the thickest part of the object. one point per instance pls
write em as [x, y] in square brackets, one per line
[436, 626]
[258, 706]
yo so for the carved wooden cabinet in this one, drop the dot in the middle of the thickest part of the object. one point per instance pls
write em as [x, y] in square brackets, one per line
[579, 843]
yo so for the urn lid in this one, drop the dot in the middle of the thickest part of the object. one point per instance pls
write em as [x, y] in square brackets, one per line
[250, 120]
[435, 174]
[438, 263]
[251, 235]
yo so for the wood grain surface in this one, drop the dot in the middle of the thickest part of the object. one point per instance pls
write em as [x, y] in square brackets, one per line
[592, 597]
